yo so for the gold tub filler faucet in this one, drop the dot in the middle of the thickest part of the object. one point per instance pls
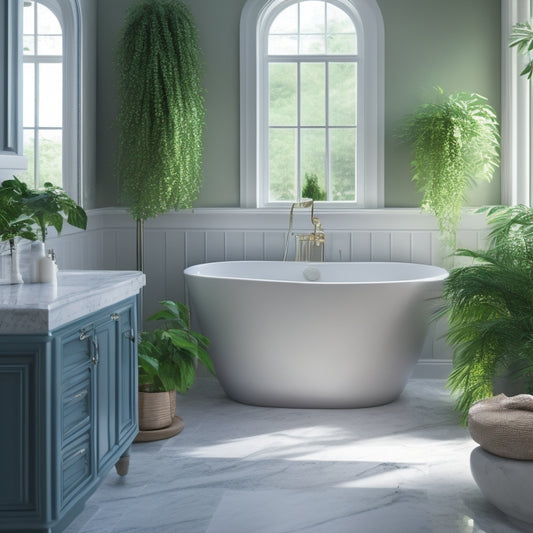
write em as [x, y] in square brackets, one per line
[309, 246]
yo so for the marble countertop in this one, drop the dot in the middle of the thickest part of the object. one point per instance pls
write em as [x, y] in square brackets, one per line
[35, 308]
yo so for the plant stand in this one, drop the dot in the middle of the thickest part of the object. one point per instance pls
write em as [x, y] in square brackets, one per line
[160, 434]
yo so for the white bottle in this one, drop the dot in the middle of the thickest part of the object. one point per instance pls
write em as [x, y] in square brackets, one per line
[37, 253]
[48, 269]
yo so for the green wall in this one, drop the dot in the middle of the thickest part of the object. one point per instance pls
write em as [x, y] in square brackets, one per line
[454, 44]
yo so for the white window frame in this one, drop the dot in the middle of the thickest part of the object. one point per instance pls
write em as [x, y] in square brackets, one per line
[255, 22]
[516, 121]
[68, 13]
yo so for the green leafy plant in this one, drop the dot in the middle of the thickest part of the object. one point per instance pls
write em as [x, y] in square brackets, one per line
[455, 144]
[522, 38]
[50, 206]
[161, 114]
[489, 305]
[167, 355]
[312, 189]
[14, 219]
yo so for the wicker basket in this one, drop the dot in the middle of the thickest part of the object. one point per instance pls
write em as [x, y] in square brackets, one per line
[156, 409]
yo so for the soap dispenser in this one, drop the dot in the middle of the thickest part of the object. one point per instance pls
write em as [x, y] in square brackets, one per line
[36, 254]
[48, 268]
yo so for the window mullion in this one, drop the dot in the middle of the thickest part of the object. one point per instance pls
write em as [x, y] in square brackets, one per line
[298, 131]
[327, 162]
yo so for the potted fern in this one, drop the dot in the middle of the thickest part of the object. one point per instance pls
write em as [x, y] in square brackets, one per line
[161, 115]
[167, 364]
[489, 305]
[455, 144]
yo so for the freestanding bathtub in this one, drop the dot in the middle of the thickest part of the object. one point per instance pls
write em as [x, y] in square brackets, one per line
[316, 335]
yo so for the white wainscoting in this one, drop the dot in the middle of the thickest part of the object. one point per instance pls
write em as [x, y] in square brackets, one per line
[177, 240]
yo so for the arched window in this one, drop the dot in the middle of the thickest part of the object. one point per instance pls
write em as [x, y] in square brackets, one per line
[311, 102]
[51, 93]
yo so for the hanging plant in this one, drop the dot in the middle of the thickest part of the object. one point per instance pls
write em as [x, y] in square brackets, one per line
[161, 114]
[455, 144]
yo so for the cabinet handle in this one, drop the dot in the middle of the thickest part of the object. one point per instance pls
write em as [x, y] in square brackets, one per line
[115, 316]
[84, 334]
[77, 396]
[130, 335]
[80, 452]
[96, 351]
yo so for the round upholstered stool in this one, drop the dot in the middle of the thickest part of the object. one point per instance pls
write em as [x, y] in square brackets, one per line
[502, 466]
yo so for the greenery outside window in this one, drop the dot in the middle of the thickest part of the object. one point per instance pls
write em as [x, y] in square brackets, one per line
[311, 102]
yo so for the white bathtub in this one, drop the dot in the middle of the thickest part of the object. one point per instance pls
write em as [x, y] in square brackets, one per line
[320, 335]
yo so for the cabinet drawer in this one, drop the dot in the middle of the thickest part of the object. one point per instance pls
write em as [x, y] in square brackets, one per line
[76, 468]
[76, 403]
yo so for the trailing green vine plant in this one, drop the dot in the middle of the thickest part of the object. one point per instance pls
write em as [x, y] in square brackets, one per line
[489, 305]
[455, 144]
[161, 114]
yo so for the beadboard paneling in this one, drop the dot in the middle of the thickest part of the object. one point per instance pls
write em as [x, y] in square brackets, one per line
[177, 240]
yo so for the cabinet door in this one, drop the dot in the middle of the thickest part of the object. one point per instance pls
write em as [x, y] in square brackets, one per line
[127, 377]
[105, 333]
[116, 382]
[22, 447]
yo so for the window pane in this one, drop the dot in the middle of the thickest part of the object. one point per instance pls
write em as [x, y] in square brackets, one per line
[47, 22]
[28, 45]
[338, 20]
[50, 157]
[28, 19]
[49, 45]
[342, 94]
[28, 102]
[283, 44]
[313, 94]
[282, 164]
[286, 21]
[313, 153]
[312, 44]
[28, 176]
[342, 163]
[312, 17]
[342, 44]
[283, 110]
[50, 95]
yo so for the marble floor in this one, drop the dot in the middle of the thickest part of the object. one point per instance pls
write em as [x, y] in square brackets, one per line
[400, 468]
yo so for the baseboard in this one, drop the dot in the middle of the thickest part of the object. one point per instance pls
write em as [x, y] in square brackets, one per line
[432, 369]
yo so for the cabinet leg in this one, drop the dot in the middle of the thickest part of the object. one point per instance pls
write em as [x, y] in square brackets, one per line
[123, 464]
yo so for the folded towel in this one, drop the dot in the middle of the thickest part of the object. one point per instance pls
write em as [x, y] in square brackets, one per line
[504, 425]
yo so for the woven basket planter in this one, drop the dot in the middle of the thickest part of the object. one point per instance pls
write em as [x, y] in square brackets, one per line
[156, 409]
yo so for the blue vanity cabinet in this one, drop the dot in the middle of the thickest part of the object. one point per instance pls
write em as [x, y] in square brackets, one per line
[72, 414]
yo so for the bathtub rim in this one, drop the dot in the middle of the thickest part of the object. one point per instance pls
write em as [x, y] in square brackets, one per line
[439, 275]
